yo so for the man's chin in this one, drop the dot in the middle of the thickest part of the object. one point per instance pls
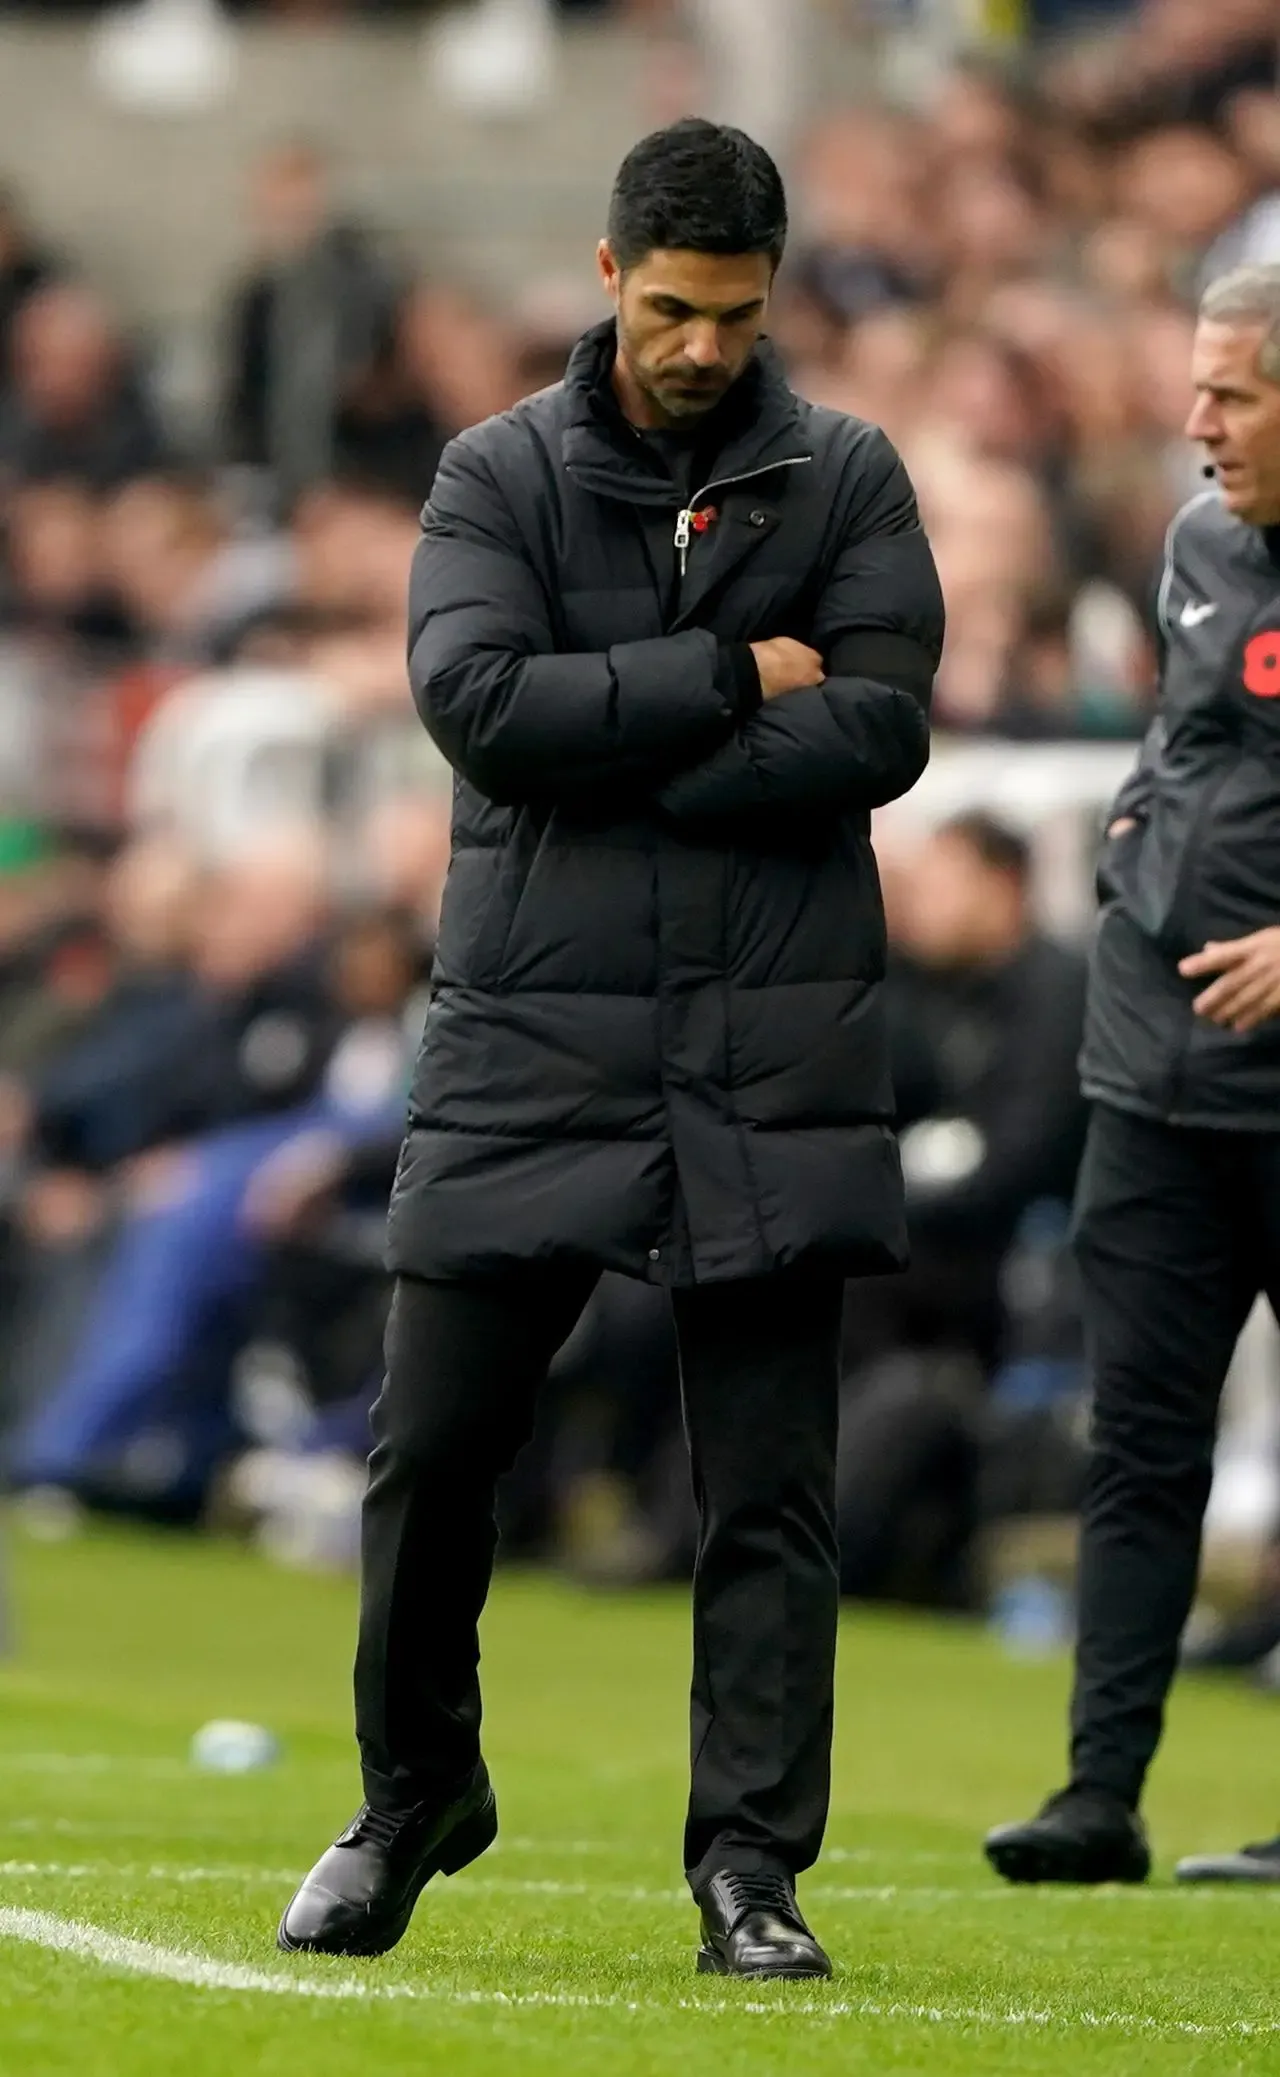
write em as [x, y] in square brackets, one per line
[1244, 501]
[689, 404]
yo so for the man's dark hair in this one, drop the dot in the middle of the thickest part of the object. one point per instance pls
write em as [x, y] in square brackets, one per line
[992, 841]
[697, 187]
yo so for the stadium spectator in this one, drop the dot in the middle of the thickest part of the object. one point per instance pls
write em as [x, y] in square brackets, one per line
[76, 407]
[986, 1018]
[186, 585]
[218, 1014]
[353, 546]
[1046, 695]
[459, 361]
[24, 267]
[59, 588]
[868, 240]
[310, 328]
[1167, 62]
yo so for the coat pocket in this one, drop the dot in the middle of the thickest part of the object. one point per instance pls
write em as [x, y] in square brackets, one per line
[1116, 856]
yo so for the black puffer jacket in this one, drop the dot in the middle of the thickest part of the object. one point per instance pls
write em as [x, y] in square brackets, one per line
[1203, 860]
[655, 1041]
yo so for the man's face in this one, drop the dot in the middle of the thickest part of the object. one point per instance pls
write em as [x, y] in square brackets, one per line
[289, 202]
[687, 324]
[958, 911]
[1236, 415]
[65, 357]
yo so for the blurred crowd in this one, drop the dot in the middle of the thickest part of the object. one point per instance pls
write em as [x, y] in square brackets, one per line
[223, 836]
[1006, 281]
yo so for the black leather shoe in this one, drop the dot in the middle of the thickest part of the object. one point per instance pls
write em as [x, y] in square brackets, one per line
[1252, 1864]
[751, 1926]
[1081, 1835]
[359, 1897]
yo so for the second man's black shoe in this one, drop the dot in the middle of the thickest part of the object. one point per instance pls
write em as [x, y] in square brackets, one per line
[1253, 1864]
[1081, 1835]
[359, 1897]
[751, 1926]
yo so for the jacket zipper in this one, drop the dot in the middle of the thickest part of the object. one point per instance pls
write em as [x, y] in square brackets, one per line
[685, 518]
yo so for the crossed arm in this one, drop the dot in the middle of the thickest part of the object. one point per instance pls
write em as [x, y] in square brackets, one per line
[668, 718]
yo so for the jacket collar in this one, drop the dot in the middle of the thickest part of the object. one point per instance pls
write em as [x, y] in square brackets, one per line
[755, 427]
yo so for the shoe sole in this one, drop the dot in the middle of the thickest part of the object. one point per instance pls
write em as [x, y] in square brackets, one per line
[464, 1844]
[1032, 1861]
[712, 1964]
[1242, 1873]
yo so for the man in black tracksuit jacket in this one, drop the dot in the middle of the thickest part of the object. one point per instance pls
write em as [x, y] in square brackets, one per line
[1178, 1218]
[676, 632]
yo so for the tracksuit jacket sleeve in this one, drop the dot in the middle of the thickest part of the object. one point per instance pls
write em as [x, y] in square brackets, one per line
[515, 718]
[860, 738]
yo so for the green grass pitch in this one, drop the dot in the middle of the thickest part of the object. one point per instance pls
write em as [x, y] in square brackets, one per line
[138, 1898]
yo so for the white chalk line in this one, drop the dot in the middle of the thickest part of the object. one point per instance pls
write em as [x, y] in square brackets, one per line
[633, 1893]
[120, 1953]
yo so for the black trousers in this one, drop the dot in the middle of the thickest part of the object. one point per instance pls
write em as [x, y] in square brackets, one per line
[759, 1376]
[1177, 1232]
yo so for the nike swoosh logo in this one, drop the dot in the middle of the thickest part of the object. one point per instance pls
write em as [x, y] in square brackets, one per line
[1192, 614]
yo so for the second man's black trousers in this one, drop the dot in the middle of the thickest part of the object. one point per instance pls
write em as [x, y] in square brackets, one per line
[1177, 1232]
[759, 1372]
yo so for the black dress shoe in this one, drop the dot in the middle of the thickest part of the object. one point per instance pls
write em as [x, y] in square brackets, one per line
[751, 1926]
[1081, 1835]
[359, 1897]
[1252, 1864]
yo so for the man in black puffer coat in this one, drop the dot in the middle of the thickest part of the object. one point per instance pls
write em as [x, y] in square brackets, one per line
[676, 632]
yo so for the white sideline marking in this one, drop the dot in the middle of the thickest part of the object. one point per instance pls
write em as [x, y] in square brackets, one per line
[201, 1972]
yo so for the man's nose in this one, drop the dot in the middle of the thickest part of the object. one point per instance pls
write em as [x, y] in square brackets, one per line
[1202, 421]
[702, 346]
